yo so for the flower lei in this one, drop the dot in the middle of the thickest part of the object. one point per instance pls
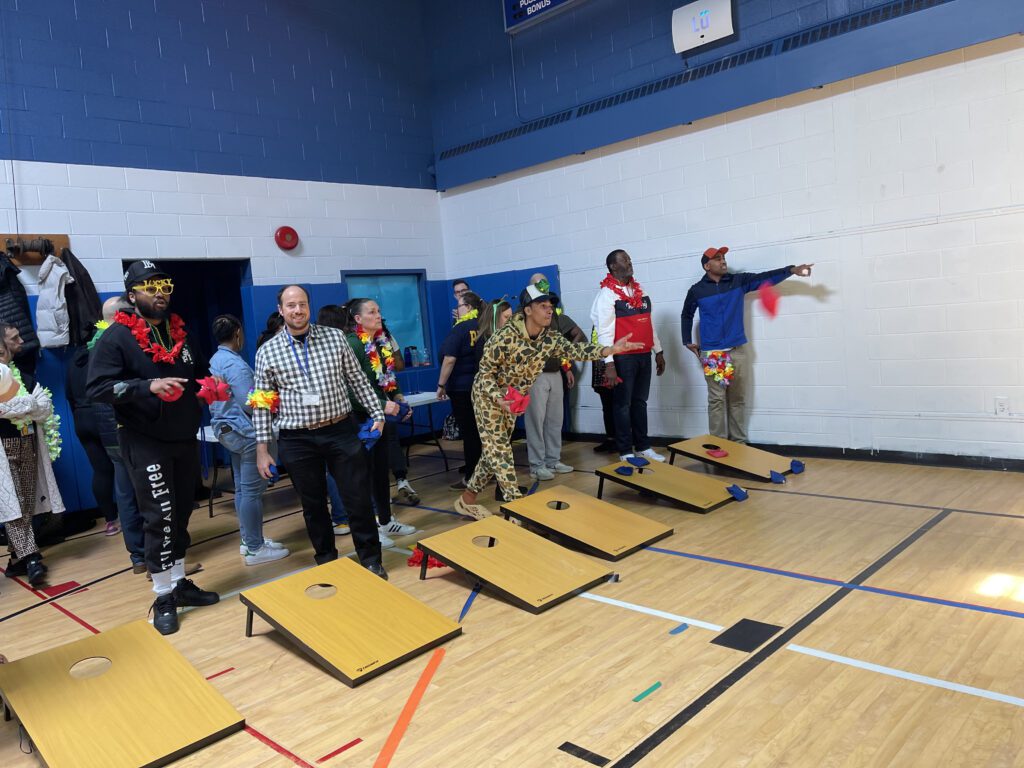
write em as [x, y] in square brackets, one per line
[473, 314]
[263, 400]
[718, 365]
[141, 329]
[51, 425]
[635, 301]
[382, 360]
[101, 326]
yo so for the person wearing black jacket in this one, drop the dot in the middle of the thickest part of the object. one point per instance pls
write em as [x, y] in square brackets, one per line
[144, 366]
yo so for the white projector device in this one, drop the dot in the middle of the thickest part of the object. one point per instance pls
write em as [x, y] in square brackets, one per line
[701, 22]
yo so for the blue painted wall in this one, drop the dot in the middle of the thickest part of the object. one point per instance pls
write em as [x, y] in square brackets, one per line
[299, 89]
[603, 47]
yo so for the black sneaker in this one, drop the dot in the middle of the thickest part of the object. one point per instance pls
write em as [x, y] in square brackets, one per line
[608, 446]
[378, 570]
[187, 593]
[19, 568]
[35, 569]
[165, 614]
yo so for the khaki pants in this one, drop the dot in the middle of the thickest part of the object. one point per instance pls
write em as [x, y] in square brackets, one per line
[727, 406]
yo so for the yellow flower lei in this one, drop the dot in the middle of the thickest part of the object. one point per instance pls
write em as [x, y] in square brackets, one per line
[473, 314]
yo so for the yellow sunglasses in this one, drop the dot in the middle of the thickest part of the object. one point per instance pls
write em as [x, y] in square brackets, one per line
[153, 287]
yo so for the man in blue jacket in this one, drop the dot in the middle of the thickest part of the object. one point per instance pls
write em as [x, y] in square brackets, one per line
[723, 348]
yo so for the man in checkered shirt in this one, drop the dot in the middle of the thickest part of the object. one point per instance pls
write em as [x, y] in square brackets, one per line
[308, 366]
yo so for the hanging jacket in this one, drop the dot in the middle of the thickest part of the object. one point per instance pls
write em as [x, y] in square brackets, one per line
[84, 305]
[14, 310]
[52, 322]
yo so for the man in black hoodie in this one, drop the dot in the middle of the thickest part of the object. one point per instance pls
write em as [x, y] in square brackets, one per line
[144, 366]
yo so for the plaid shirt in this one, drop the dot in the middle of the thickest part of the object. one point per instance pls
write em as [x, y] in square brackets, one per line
[281, 366]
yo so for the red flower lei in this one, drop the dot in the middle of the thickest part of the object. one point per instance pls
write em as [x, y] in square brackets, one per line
[635, 301]
[141, 331]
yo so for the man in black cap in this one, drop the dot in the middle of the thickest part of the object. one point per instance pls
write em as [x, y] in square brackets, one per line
[723, 349]
[514, 357]
[145, 367]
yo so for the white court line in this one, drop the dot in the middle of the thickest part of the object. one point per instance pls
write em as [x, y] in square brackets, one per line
[653, 612]
[899, 673]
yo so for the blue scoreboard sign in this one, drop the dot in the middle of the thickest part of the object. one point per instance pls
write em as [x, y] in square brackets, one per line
[520, 14]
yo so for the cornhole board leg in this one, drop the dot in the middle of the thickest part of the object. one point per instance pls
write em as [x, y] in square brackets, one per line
[511, 598]
[334, 671]
[624, 480]
[423, 565]
[600, 486]
[248, 623]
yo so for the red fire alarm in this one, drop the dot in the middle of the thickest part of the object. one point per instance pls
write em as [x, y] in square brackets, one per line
[286, 238]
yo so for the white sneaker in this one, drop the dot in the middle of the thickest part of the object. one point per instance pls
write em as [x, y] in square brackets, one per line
[653, 455]
[542, 473]
[265, 554]
[385, 541]
[267, 544]
[626, 457]
[342, 529]
[560, 468]
[396, 528]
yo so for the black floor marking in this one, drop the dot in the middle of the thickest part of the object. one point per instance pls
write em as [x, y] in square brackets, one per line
[886, 502]
[71, 591]
[584, 754]
[645, 747]
[746, 635]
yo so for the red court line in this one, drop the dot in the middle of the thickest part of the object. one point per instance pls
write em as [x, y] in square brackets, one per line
[398, 731]
[339, 750]
[222, 672]
[59, 589]
[61, 608]
[277, 747]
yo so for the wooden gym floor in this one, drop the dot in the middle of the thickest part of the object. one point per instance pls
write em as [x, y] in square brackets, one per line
[899, 591]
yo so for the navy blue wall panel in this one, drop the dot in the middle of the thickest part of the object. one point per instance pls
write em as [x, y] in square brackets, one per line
[603, 47]
[300, 89]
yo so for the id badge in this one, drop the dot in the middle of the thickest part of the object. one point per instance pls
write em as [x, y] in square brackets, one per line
[311, 398]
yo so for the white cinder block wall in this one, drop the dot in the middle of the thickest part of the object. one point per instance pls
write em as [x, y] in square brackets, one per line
[905, 188]
[127, 213]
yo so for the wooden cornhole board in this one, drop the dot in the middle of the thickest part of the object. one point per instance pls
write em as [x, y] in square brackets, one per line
[361, 628]
[752, 462]
[595, 526]
[698, 493]
[150, 707]
[525, 569]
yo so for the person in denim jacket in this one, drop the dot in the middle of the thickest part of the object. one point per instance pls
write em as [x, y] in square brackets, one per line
[232, 424]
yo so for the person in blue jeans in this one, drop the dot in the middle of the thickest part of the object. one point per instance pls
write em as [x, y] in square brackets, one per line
[232, 424]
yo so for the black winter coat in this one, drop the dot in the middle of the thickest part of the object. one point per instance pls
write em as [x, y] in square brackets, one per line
[84, 305]
[14, 310]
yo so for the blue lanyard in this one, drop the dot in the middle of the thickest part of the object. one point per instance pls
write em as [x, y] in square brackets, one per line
[305, 354]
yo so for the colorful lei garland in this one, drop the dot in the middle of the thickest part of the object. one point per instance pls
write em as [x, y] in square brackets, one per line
[101, 326]
[473, 314]
[263, 400]
[718, 365]
[51, 424]
[635, 301]
[141, 329]
[382, 361]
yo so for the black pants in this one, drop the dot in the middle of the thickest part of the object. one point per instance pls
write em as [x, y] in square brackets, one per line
[380, 480]
[630, 398]
[607, 410]
[465, 417]
[87, 430]
[164, 478]
[309, 454]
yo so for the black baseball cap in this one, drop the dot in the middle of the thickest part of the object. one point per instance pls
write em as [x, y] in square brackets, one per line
[140, 271]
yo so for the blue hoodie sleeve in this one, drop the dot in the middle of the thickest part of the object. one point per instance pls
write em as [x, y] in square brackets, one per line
[751, 281]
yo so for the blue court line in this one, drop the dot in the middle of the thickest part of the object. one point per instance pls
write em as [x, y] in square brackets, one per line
[469, 602]
[843, 584]
[429, 509]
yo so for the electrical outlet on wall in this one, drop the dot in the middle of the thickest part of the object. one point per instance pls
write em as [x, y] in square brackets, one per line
[1002, 406]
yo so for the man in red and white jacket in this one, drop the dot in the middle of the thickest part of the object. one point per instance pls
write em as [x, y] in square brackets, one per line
[622, 308]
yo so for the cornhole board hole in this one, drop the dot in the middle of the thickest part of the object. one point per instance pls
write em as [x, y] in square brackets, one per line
[124, 698]
[751, 462]
[528, 571]
[597, 527]
[347, 619]
[695, 492]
